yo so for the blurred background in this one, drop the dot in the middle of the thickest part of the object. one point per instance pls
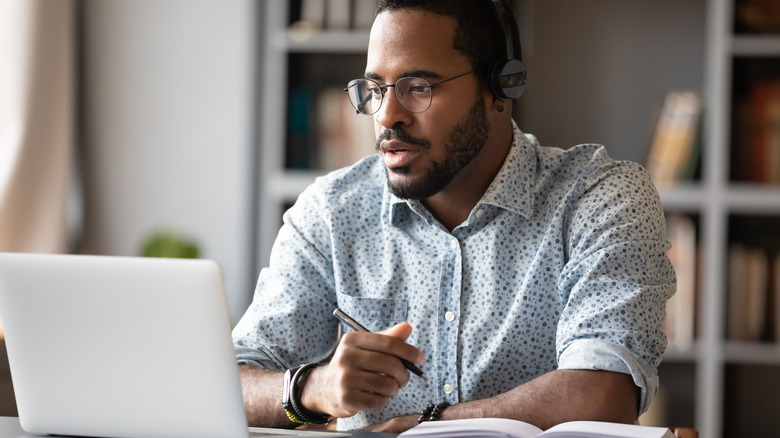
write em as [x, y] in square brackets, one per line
[130, 126]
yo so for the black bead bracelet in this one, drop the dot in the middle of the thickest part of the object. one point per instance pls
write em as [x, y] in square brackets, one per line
[432, 412]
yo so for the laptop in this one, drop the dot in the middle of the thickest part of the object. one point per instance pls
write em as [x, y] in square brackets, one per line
[122, 347]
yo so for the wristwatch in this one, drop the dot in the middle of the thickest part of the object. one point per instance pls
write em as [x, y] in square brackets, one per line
[294, 378]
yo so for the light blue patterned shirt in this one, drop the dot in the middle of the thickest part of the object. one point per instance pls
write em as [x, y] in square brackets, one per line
[561, 265]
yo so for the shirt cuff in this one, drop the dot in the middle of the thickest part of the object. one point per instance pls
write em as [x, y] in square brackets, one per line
[591, 354]
[256, 358]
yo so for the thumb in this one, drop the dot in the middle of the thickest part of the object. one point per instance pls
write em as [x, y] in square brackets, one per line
[400, 331]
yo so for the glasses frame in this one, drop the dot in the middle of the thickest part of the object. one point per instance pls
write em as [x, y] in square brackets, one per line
[383, 88]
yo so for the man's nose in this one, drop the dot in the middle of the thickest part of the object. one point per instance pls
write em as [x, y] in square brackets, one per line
[391, 112]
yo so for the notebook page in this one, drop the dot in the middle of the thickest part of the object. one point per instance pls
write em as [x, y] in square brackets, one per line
[598, 429]
[482, 427]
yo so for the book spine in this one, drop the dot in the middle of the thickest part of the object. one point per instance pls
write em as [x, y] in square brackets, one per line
[673, 144]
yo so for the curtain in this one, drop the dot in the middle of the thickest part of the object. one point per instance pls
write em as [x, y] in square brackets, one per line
[37, 103]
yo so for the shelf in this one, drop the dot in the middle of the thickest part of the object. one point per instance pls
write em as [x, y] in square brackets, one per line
[331, 41]
[744, 45]
[679, 355]
[753, 198]
[687, 197]
[745, 353]
[289, 184]
[739, 198]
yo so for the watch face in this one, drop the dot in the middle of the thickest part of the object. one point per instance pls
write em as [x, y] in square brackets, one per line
[286, 388]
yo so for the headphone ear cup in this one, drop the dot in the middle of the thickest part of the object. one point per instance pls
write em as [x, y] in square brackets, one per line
[508, 79]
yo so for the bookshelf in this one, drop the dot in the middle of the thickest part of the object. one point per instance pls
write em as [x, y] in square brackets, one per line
[303, 59]
[732, 378]
[718, 385]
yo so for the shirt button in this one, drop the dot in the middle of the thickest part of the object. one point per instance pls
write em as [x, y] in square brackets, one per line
[454, 244]
[449, 316]
[447, 388]
[480, 213]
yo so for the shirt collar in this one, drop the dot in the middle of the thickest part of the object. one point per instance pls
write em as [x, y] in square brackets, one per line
[512, 187]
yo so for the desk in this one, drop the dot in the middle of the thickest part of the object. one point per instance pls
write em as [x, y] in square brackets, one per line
[10, 428]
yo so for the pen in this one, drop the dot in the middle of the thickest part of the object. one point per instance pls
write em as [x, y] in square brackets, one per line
[338, 313]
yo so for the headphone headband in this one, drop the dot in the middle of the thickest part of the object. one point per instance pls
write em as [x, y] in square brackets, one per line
[503, 19]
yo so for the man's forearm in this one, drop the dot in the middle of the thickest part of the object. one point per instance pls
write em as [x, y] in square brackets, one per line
[560, 396]
[553, 398]
[262, 397]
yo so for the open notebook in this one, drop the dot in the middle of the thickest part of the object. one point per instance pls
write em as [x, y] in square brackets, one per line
[122, 347]
[506, 428]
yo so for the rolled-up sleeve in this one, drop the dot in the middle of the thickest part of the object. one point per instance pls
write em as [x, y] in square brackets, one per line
[617, 280]
[289, 320]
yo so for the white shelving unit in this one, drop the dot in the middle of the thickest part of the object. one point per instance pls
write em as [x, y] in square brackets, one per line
[713, 199]
[280, 186]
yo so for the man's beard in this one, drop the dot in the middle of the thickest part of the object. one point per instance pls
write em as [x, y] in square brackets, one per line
[464, 142]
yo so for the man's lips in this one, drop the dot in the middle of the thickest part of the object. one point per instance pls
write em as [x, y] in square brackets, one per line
[397, 154]
[399, 149]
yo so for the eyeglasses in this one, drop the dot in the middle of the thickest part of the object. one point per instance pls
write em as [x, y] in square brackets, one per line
[414, 93]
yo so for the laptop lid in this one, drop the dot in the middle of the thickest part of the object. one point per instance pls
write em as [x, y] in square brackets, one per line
[120, 347]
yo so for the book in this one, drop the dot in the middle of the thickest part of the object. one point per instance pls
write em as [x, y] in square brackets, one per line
[756, 285]
[673, 151]
[679, 325]
[313, 13]
[735, 329]
[775, 308]
[343, 137]
[741, 134]
[764, 139]
[503, 427]
[747, 292]
[758, 16]
[364, 14]
[338, 14]
[300, 109]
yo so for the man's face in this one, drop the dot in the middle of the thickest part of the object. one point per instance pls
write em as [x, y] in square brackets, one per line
[424, 152]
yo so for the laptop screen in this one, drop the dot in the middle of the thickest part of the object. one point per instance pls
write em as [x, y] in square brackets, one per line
[120, 346]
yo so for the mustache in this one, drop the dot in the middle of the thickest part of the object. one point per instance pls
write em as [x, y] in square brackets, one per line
[400, 135]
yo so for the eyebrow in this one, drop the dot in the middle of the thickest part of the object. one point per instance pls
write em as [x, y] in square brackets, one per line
[426, 74]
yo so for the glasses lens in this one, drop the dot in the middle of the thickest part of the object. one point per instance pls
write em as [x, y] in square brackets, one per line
[414, 94]
[365, 95]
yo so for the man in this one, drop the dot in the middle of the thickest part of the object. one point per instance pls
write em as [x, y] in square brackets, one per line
[527, 282]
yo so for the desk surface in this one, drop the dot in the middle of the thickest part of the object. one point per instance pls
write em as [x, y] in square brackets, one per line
[10, 428]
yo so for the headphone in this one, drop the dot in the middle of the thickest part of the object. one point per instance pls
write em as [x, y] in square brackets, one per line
[507, 79]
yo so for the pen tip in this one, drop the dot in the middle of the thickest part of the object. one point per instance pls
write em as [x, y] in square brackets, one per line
[425, 376]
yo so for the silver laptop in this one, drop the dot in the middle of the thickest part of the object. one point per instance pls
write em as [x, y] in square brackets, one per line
[121, 347]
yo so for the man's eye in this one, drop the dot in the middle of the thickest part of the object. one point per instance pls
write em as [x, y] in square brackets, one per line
[418, 89]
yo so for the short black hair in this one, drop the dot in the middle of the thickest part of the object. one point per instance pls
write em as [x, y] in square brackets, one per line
[479, 35]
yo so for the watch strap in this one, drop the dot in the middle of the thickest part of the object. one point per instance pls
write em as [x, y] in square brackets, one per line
[294, 379]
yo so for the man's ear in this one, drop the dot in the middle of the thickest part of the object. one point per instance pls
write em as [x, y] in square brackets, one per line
[501, 106]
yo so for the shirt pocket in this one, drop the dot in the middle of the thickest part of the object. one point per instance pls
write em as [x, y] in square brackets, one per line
[375, 314]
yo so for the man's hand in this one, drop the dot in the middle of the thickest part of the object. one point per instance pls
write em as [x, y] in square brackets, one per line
[395, 424]
[364, 373]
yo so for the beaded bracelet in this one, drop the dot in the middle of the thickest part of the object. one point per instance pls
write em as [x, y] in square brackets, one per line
[426, 413]
[437, 410]
[432, 412]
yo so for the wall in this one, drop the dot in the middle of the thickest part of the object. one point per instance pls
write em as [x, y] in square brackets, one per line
[597, 72]
[167, 89]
